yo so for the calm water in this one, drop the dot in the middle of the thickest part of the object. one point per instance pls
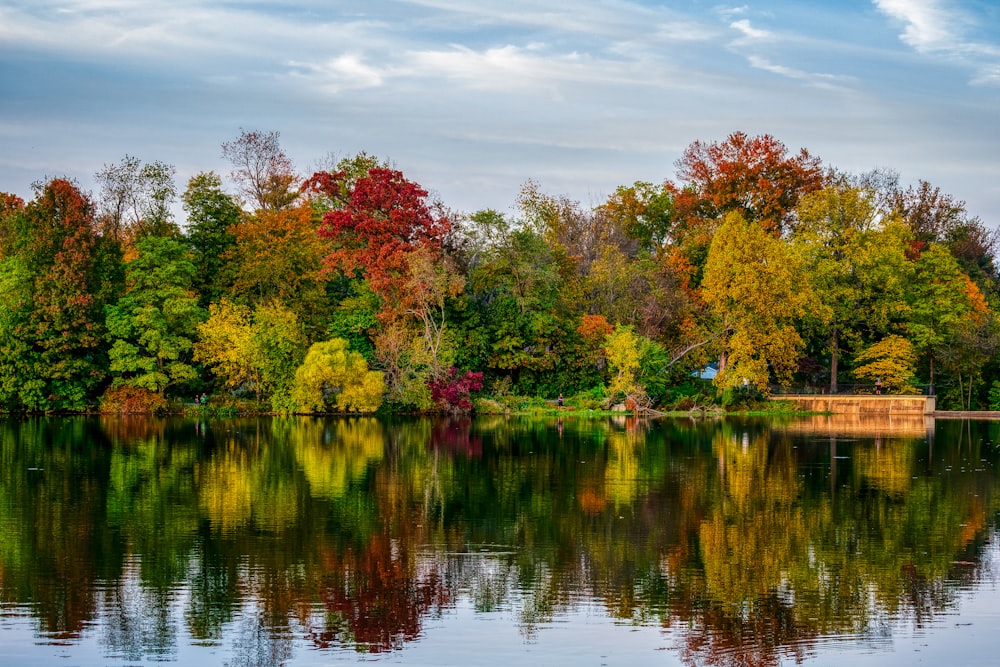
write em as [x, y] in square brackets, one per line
[496, 542]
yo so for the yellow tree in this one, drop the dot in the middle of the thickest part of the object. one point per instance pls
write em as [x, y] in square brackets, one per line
[755, 286]
[333, 375]
[892, 361]
[256, 350]
[224, 344]
[622, 350]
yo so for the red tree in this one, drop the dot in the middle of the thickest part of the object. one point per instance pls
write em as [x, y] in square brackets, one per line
[59, 326]
[753, 175]
[375, 226]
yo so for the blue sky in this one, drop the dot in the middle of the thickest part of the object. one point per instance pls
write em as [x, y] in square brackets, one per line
[472, 98]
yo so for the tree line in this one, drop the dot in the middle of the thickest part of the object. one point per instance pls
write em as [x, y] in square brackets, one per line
[352, 289]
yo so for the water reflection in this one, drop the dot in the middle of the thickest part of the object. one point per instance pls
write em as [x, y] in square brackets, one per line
[747, 543]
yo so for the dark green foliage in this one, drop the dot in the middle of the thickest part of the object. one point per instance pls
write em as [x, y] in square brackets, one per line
[153, 325]
[355, 319]
[211, 214]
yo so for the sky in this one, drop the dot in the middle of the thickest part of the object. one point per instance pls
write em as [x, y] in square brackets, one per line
[472, 98]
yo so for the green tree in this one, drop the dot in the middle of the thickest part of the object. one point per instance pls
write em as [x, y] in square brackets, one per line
[644, 211]
[855, 259]
[16, 284]
[10, 205]
[516, 286]
[942, 301]
[355, 318]
[278, 345]
[333, 375]
[153, 325]
[211, 216]
[964, 355]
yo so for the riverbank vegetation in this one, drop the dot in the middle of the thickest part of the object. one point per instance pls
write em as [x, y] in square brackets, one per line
[354, 290]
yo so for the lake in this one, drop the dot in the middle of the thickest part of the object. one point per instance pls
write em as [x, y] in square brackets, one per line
[492, 541]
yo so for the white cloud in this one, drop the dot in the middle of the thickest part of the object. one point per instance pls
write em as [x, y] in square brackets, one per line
[343, 72]
[195, 33]
[813, 78]
[790, 46]
[507, 67]
[927, 25]
[933, 28]
[743, 25]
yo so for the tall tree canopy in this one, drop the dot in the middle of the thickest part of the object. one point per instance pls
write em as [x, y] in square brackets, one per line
[136, 199]
[855, 259]
[153, 325]
[212, 216]
[753, 255]
[754, 176]
[51, 357]
[379, 223]
[756, 287]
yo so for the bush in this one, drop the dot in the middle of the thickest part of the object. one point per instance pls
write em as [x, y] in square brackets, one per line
[452, 391]
[995, 395]
[127, 400]
[490, 406]
[591, 399]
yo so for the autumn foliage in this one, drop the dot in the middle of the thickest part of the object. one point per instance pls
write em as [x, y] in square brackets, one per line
[754, 258]
[375, 227]
[452, 392]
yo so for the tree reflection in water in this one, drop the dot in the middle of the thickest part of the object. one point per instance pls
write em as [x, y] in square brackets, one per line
[748, 544]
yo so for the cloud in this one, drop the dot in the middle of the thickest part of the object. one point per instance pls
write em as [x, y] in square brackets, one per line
[511, 67]
[932, 28]
[753, 40]
[347, 71]
[743, 25]
[814, 78]
[184, 34]
[928, 27]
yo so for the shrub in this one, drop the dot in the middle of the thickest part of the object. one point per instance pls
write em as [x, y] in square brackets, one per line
[128, 400]
[453, 390]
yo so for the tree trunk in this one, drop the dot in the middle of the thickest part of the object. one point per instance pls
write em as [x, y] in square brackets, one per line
[834, 360]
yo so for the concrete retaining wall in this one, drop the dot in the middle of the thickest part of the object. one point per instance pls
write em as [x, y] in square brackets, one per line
[863, 404]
